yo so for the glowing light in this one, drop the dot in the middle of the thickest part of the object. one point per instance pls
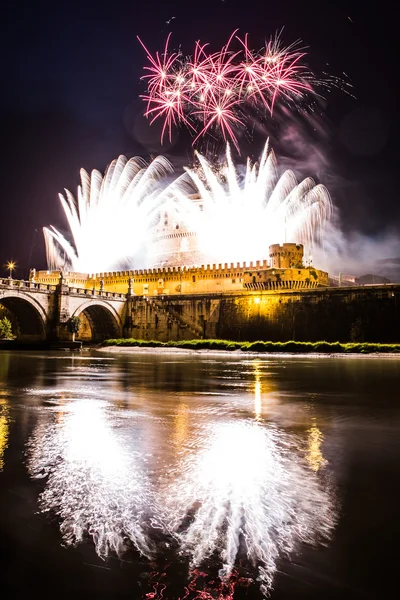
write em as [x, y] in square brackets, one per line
[11, 266]
[257, 391]
[243, 215]
[243, 75]
[234, 490]
[181, 426]
[95, 484]
[113, 220]
[314, 455]
[249, 496]
[111, 217]
[4, 429]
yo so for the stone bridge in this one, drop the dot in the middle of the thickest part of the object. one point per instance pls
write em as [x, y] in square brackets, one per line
[41, 312]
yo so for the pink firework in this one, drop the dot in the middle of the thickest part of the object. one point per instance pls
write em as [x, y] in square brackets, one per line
[168, 105]
[211, 89]
[220, 112]
[161, 68]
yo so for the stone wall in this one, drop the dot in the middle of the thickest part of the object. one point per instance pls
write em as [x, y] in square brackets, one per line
[339, 314]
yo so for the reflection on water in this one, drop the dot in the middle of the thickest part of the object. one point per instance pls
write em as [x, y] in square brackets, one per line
[94, 481]
[229, 489]
[257, 389]
[314, 455]
[4, 409]
[246, 491]
[216, 469]
[4, 427]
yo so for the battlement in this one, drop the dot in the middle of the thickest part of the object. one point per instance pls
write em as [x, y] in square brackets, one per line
[160, 271]
[284, 270]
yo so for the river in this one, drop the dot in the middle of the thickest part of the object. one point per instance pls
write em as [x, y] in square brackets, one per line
[152, 475]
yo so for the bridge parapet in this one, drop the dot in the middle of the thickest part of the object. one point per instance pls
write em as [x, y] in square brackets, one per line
[26, 285]
[73, 291]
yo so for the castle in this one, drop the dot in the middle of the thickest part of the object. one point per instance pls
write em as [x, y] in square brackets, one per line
[284, 270]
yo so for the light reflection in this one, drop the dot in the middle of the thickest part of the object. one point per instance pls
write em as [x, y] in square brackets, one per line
[224, 489]
[95, 482]
[246, 492]
[181, 426]
[257, 390]
[4, 429]
[314, 453]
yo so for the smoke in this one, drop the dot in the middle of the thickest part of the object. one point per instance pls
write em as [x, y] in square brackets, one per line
[304, 142]
[357, 254]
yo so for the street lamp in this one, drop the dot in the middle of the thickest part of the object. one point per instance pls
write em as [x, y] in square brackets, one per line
[11, 267]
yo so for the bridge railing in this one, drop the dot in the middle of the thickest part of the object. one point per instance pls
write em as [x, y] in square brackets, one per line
[33, 285]
[27, 285]
[95, 292]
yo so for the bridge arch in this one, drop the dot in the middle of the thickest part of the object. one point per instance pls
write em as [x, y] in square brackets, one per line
[104, 321]
[27, 315]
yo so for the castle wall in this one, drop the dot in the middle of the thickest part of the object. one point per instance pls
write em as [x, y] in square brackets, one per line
[216, 278]
[337, 314]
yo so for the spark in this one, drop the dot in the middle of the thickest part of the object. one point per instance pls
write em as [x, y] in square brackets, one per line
[220, 111]
[114, 219]
[243, 215]
[112, 215]
[161, 68]
[245, 75]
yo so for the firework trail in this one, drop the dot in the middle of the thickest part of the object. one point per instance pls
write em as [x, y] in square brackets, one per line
[112, 215]
[239, 215]
[243, 214]
[208, 92]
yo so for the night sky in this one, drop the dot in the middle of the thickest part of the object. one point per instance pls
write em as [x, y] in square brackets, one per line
[71, 90]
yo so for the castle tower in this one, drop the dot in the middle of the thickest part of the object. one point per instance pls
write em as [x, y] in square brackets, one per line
[172, 243]
[286, 256]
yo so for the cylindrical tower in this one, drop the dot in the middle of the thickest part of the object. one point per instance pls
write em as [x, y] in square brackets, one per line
[286, 256]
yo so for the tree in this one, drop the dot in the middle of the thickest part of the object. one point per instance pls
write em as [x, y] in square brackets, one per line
[73, 326]
[6, 329]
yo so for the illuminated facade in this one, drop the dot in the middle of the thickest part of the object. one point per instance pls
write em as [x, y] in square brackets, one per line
[285, 270]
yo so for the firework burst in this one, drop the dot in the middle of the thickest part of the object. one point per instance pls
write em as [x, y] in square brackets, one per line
[208, 92]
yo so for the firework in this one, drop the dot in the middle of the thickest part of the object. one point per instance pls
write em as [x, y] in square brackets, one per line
[209, 91]
[245, 212]
[241, 211]
[112, 215]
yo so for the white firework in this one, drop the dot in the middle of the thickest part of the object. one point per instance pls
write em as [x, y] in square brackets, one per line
[111, 217]
[236, 218]
[241, 216]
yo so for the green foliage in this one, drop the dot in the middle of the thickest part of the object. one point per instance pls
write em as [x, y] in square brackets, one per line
[261, 346]
[74, 324]
[6, 329]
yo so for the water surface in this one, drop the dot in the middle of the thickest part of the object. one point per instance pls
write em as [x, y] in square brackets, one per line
[198, 476]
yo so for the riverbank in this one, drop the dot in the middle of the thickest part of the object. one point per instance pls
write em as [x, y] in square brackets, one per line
[40, 345]
[290, 347]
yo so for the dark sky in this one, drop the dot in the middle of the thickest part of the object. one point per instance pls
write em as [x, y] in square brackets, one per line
[71, 72]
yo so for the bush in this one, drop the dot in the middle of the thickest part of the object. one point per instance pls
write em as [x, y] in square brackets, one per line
[261, 346]
[6, 329]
